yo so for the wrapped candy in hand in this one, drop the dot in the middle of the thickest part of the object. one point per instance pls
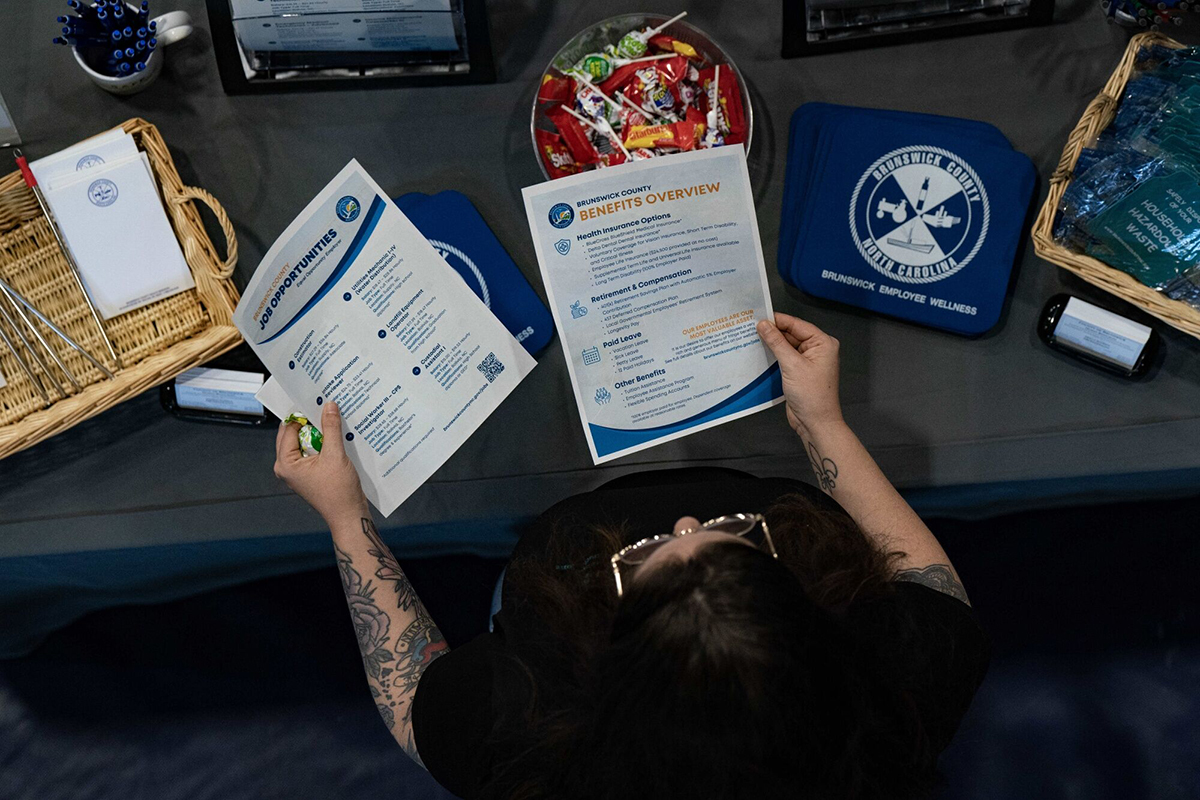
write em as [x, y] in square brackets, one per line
[310, 437]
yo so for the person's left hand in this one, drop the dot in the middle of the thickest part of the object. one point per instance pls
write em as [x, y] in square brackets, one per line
[327, 481]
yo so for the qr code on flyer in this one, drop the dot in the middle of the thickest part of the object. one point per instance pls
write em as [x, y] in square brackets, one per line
[490, 367]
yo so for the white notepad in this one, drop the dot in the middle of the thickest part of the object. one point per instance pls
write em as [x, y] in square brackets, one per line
[106, 148]
[117, 229]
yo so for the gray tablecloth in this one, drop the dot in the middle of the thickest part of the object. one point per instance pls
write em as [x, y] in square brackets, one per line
[936, 410]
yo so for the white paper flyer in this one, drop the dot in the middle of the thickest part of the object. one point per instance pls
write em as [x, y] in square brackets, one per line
[352, 304]
[656, 280]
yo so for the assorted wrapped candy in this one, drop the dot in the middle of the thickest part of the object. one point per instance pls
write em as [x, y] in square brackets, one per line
[649, 95]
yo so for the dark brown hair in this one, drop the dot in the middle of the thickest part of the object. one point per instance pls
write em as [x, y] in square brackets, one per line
[731, 674]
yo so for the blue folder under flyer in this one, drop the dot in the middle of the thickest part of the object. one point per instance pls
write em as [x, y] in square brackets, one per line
[454, 227]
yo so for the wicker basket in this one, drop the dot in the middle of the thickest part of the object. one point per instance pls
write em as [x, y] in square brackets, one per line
[1096, 117]
[155, 342]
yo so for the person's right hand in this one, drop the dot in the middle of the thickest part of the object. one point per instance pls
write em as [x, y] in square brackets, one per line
[808, 360]
[328, 480]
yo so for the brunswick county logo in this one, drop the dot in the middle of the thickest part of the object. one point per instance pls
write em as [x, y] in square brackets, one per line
[348, 208]
[88, 161]
[561, 215]
[919, 214]
[102, 192]
[563, 246]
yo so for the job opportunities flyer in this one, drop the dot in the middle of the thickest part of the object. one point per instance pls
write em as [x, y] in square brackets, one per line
[352, 304]
[655, 276]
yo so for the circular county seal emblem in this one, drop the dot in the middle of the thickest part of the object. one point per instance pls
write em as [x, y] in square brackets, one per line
[347, 208]
[88, 161]
[919, 214]
[561, 215]
[102, 192]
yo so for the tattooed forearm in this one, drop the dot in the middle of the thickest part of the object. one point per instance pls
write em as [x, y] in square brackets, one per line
[393, 667]
[936, 576]
[389, 568]
[825, 469]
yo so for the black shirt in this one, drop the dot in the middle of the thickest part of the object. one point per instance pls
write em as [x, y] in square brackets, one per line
[473, 689]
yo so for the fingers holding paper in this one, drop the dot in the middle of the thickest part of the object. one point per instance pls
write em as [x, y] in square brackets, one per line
[808, 363]
[327, 481]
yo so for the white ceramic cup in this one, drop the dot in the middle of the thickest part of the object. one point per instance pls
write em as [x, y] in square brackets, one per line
[172, 27]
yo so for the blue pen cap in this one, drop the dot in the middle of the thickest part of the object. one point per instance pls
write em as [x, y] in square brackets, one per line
[130, 52]
[152, 25]
[139, 66]
[124, 68]
[128, 32]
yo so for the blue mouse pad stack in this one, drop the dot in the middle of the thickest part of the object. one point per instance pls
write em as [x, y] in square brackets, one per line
[456, 230]
[911, 215]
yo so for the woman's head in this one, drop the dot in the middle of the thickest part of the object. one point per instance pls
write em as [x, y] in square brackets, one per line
[708, 682]
[724, 672]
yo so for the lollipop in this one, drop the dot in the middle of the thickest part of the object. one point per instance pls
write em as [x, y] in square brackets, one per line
[633, 44]
[712, 130]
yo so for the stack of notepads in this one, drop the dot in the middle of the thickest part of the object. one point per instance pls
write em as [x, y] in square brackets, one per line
[911, 215]
[103, 194]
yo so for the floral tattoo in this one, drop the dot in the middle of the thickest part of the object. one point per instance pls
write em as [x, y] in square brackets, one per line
[393, 667]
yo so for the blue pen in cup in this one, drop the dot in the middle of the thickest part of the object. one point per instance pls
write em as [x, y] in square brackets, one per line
[124, 68]
[139, 66]
[139, 45]
[130, 52]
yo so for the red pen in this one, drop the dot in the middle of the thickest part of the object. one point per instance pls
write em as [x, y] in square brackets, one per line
[32, 183]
